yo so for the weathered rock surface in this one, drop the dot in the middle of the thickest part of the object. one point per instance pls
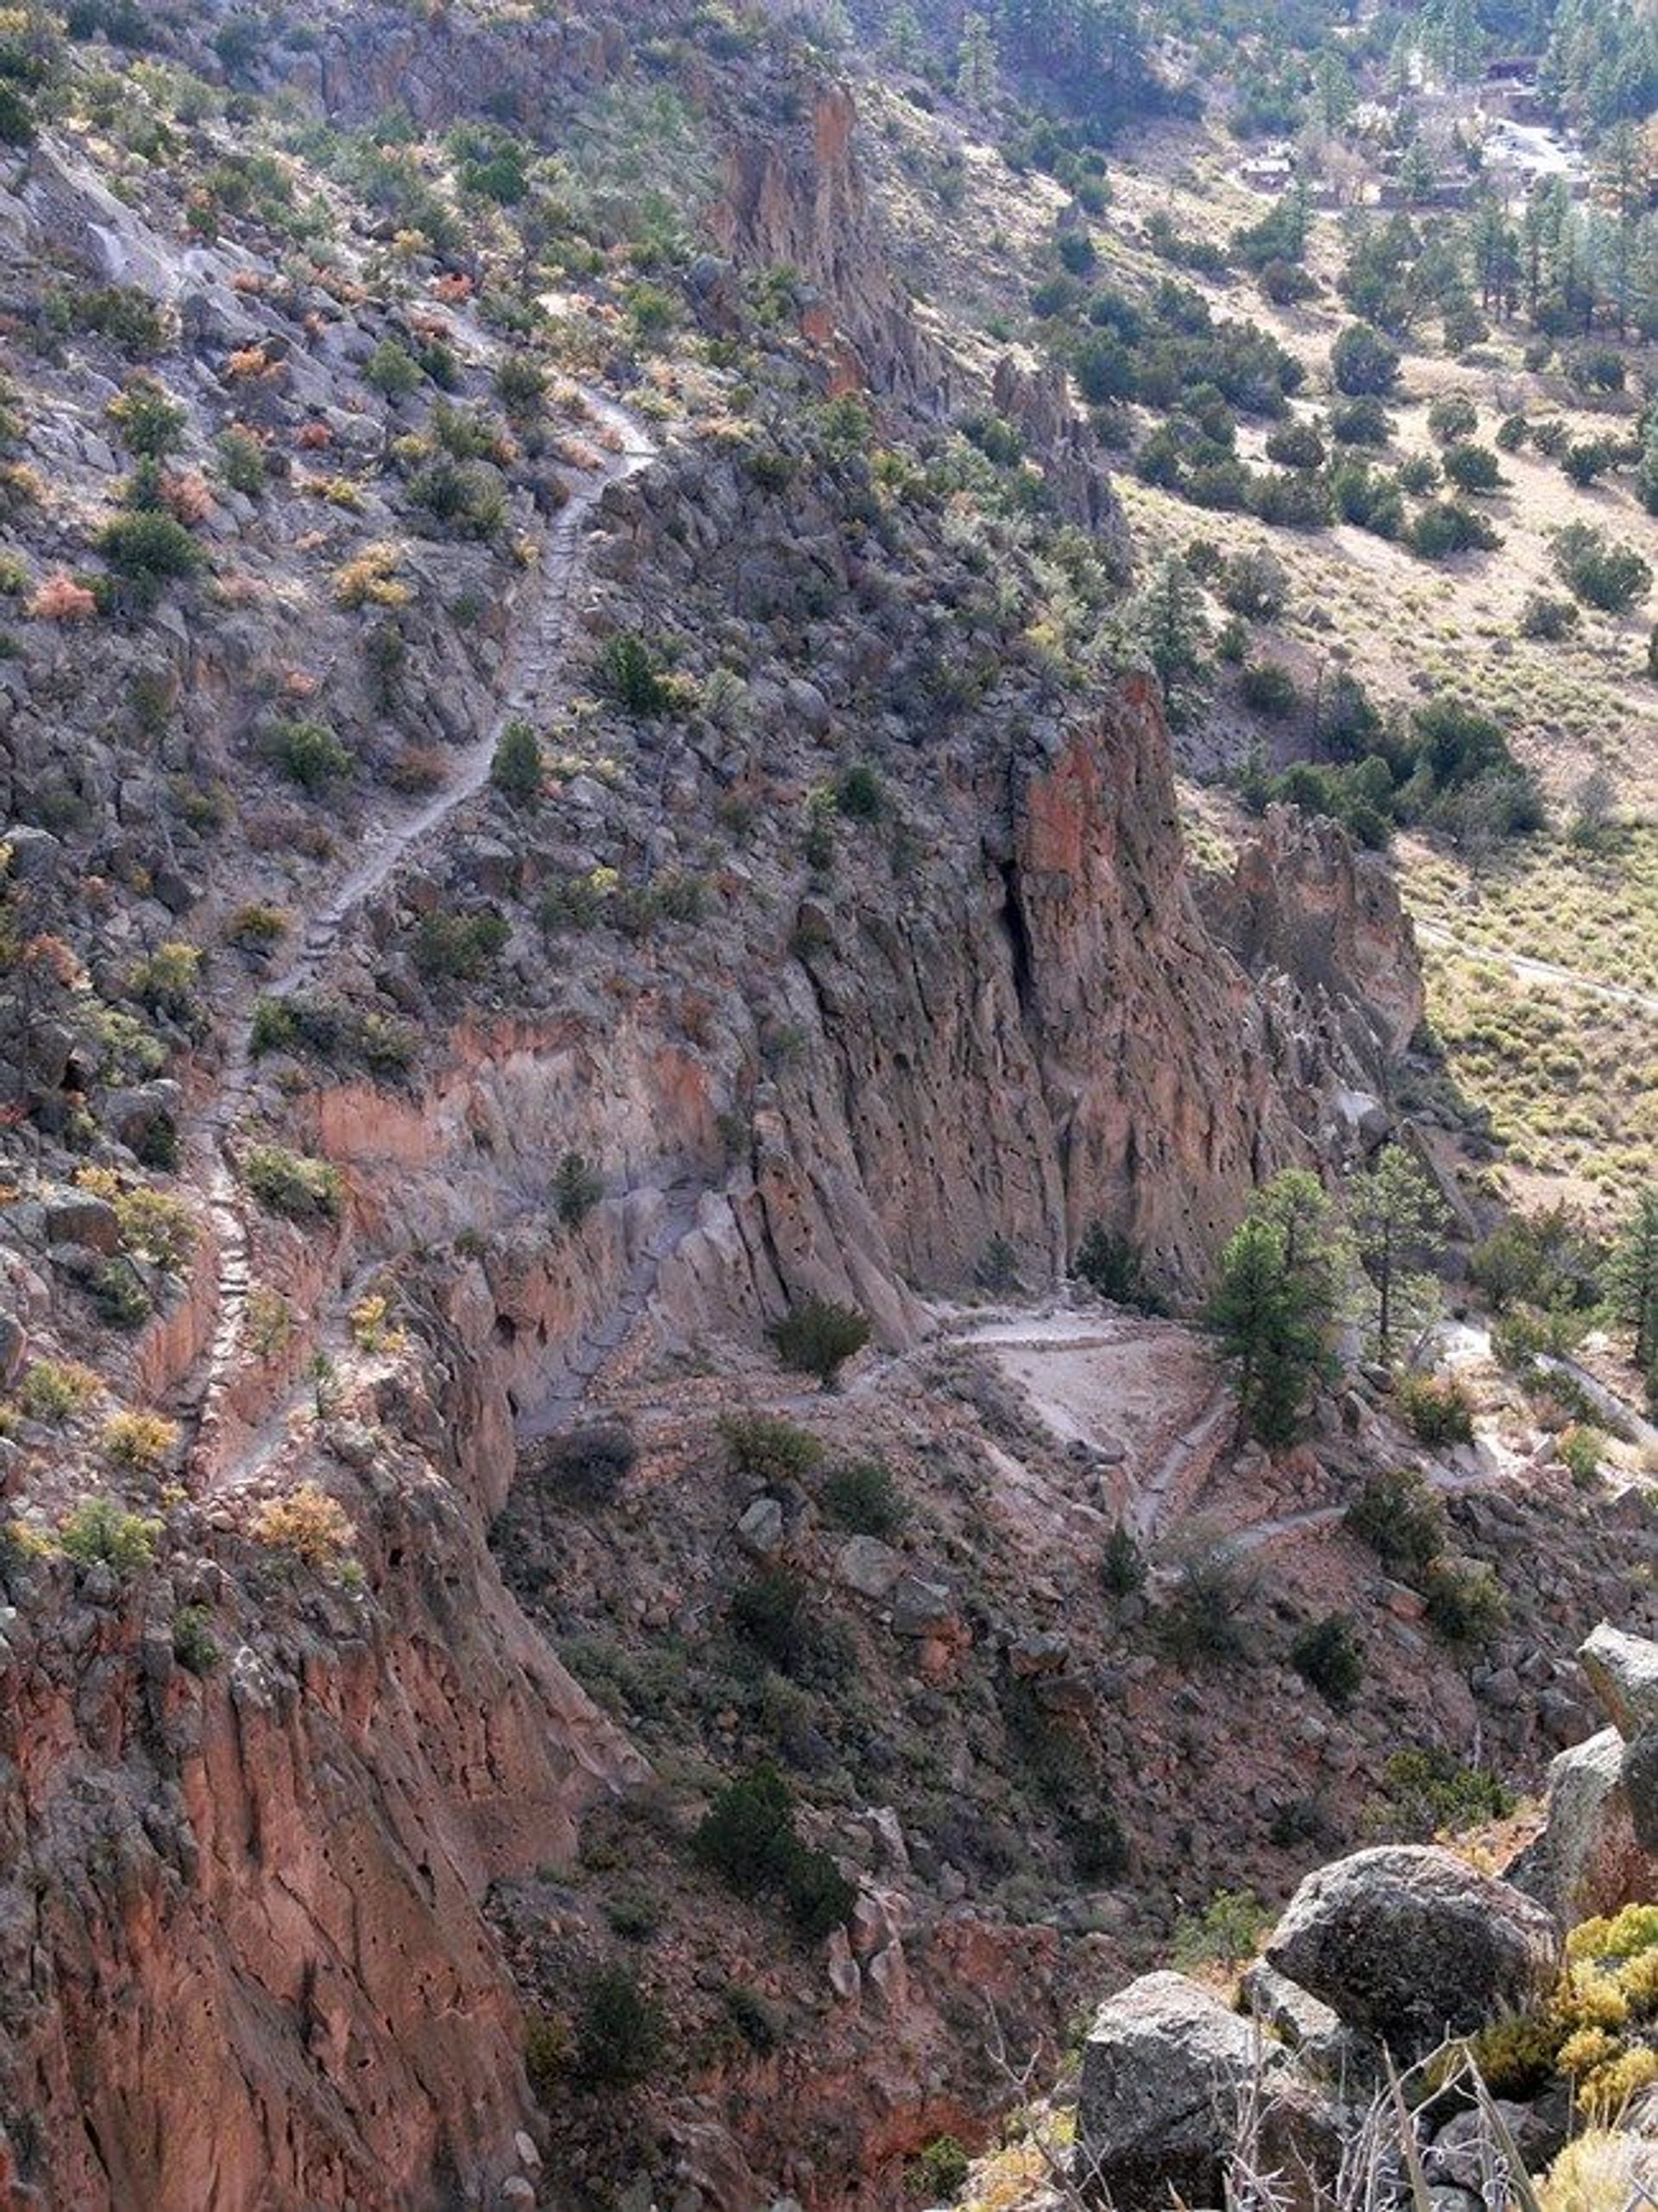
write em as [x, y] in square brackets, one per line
[1599, 1847]
[1409, 1943]
[1164, 2071]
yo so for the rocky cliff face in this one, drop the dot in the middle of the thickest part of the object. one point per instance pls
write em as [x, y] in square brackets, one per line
[242, 1897]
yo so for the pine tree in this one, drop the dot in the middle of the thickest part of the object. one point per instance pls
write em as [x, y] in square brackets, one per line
[976, 63]
[1634, 1278]
[1397, 1218]
[516, 771]
[1166, 622]
[1274, 1303]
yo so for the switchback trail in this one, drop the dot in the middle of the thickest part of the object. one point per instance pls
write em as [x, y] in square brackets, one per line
[385, 845]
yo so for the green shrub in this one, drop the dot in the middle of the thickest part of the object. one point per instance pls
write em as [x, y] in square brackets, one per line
[619, 2031]
[1472, 468]
[748, 1837]
[858, 793]
[1328, 1654]
[1400, 1518]
[520, 383]
[1449, 527]
[548, 2050]
[635, 1917]
[1465, 1601]
[589, 1465]
[516, 770]
[458, 947]
[1603, 575]
[194, 1646]
[1267, 687]
[242, 463]
[1437, 1411]
[56, 1390]
[772, 1614]
[861, 1496]
[577, 1188]
[1548, 618]
[1451, 417]
[1364, 362]
[751, 2016]
[1226, 1932]
[818, 1337]
[290, 1183]
[99, 1532]
[468, 498]
[767, 1450]
[119, 1295]
[1122, 1563]
[307, 753]
[1427, 1792]
[392, 370]
[151, 424]
[1581, 1449]
[939, 2172]
[1108, 1264]
[147, 549]
[626, 669]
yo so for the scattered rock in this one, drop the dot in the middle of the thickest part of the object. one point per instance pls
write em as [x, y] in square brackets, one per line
[760, 1532]
[869, 1567]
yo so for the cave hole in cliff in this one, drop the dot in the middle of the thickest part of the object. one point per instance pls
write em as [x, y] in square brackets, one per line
[506, 1329]
[1013, 922]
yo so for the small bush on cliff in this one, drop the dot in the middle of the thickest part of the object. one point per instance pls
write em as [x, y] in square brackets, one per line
[748, 1837]
[1465, 1601]
[289, 1184]
[1122, 1563]
[516, 770]
[1427, 1793]
[194, 1645]
[306, 1522]
[577, 1188]
[589, 1465]
[620, 2032]
[1401, 1519]
[99, 1533]
[458, 947]
[937, 2174]
[1328, 1654]
[818, 1337]
[139, 1442]
[55, 1390]
[1438, 1412]
[767, 1450]
[1109, 1263]
[1224, 1933]
[863, 1498]
[626, 670]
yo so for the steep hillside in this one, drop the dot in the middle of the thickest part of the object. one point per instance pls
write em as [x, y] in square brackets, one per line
[588, 842]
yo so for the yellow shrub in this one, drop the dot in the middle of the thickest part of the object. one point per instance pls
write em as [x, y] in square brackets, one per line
[1600, 2172]
[1604, 2093]
[1581, 2053]
[306, 1522]
[141, 1442]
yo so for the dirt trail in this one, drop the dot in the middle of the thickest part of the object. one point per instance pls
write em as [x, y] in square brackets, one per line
[384, 846]
[1534, 971]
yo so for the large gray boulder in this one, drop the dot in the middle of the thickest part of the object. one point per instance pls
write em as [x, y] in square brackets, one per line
[1624, 1670]
[1164, 2071]
[1409, 1943]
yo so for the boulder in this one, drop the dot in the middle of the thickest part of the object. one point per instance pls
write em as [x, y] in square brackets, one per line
[1588, 1859]
[868, 1566]
[1623, 1671]
[923, 1607]
[1164, 2070]
[1638, 1773]
[81, 1219]
[760, 1532]
[1409, 1943]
